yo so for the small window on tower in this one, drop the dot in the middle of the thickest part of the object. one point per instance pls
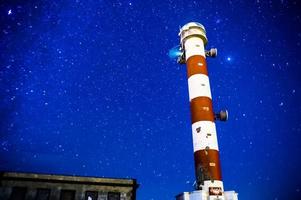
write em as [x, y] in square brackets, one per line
[205, 108]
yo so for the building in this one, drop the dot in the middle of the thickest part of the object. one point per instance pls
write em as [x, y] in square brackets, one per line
[26, 186]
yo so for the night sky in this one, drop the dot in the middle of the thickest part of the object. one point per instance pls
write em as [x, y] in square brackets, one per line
[87, 88]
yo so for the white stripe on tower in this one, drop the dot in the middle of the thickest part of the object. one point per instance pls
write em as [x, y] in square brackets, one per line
[194, 46]
[199, 86]
[204, 135]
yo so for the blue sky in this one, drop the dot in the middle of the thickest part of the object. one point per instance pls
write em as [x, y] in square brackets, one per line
[87, 88]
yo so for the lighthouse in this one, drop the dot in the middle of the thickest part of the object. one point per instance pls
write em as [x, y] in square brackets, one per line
[209, 183]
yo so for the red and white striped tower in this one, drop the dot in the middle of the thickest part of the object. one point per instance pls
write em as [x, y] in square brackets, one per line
[205, 145]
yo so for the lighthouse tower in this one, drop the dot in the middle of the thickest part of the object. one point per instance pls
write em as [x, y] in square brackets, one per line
[209, 184]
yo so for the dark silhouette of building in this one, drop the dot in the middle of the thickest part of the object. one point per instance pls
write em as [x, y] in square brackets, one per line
[25, 186]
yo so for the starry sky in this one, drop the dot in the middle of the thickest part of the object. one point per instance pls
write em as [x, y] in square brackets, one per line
[87, 88]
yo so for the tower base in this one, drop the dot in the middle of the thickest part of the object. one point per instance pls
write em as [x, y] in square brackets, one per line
[202, 195]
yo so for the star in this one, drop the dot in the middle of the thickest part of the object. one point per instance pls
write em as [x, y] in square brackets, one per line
[9, 12]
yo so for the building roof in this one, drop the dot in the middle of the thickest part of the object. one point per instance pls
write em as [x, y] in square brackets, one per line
[121, 182]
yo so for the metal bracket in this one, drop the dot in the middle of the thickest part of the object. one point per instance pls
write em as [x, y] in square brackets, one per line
[222, 115]
[181, 59]
[211, 53]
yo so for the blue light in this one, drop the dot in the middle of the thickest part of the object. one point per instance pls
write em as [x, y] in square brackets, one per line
[174, 52]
